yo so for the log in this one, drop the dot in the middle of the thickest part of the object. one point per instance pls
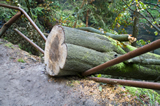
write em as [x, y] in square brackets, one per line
[141, 60]
[70, 51]
[120, 37]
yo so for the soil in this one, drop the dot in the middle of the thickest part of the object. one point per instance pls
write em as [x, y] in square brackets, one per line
[24, 82]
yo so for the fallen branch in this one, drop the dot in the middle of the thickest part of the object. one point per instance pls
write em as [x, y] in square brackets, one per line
[141, 60]
[121, 37]
[138, 60]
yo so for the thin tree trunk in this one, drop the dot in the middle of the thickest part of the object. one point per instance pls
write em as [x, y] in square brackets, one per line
[135, 27]
[87, 16]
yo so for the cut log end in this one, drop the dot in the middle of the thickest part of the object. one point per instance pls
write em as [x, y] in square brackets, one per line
[55, 51]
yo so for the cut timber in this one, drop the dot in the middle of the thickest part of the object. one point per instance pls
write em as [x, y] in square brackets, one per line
[70, 51]
[55, 51]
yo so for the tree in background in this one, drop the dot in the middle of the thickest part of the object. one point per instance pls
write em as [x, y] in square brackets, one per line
[98, 14]
[108, 14]
[143, 11]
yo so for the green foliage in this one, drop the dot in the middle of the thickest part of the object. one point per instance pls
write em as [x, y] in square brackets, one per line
[156, 33]
[37, 11]
[6, 13]
[145, 95]
[99, 75]
[31, 33]
[141, 42]
[106, 15]
[102, 75]
[142, 21]
[9, 45]
[123, 17]
[21, 60]
[19, 45]
[23, 25]
[150, 11]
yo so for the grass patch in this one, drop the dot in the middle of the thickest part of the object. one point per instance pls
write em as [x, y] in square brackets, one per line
[145, 95]
[21, 60]
[9, 45]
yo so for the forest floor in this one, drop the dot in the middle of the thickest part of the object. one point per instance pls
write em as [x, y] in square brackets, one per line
[24, 82]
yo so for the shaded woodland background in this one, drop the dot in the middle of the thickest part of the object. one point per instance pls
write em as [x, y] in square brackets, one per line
[140, 18]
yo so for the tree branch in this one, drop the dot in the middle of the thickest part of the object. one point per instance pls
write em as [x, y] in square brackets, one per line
[121, 37]
[150, 14]
[152, 4]
[154, 9]
[149, 21]
[140, 60]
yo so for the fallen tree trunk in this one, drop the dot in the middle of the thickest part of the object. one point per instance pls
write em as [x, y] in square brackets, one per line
[69, 51]
[121, 37]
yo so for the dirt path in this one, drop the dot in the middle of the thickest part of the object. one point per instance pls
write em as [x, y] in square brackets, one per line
[23, 82]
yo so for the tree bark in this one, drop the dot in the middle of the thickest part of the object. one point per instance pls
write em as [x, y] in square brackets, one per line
[120, 37]
[87, 16]
[70, 51]
[141, 60]
[135, 27]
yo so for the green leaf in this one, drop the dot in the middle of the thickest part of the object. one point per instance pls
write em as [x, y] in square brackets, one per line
[99, 75]
[154, 22]
[100, 88]
[149, 41]
[156, 33]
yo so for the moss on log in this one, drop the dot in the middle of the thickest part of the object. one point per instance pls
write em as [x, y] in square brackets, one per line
[69, 51]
